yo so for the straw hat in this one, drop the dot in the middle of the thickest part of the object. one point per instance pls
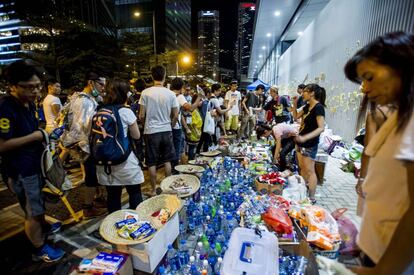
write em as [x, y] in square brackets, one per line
[109, 232]
[211, 153]
[190, 180]
[189, 169]
[169, 202]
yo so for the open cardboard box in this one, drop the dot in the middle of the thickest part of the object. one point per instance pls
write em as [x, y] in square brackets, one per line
[303, 249]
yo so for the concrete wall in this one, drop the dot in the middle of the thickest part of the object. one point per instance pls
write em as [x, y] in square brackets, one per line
[319, 55]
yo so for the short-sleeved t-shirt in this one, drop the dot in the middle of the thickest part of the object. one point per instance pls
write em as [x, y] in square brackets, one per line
[282, 130]
[279, 108]
[181, 102]
[252, 100]
[17, 120]
[234, 96]
[309, 123]
[47, 109]
[127, 119]
[158, 102]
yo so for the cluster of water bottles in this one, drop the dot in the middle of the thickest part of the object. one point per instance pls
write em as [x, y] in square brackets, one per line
[211, 216]
[292, 265]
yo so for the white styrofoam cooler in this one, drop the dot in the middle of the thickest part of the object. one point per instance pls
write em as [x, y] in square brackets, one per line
[248, 253]
[146, 256]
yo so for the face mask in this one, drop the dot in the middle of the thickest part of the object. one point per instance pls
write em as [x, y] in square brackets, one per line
[95, 92]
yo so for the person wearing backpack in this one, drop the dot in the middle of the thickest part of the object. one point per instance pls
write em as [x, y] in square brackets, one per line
[192, 124]
[21, 150]
[117, 165]
[76, 136]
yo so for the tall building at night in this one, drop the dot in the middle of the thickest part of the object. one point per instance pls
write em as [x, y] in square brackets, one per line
[244, 38]
[172, 20]
[208, 43]
[15, 33]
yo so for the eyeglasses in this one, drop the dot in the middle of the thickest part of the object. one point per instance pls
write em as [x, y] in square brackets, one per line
[30, 87]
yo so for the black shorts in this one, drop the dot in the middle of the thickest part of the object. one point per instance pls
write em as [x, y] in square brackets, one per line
[91, 180]
[159, 148]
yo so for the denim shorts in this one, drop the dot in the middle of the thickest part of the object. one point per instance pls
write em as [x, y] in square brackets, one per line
[29, 193]
[309, 152]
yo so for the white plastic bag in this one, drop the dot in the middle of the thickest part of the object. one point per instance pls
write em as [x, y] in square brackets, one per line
[209, 124]
[296, 190]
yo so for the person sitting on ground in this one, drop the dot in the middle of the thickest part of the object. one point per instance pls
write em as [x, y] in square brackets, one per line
[128, 173]
[21, 150]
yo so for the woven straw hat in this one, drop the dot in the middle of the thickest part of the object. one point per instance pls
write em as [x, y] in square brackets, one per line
[146, 208]
[109, 232]
[189, 169]
[190, 180]
[211, 153]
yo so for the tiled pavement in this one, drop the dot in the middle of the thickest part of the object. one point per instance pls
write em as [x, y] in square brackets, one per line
[338, 190]
[83, 240]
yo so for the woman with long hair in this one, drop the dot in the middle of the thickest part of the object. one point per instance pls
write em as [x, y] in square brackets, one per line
[313, 124]
[385, 68]
[128, 173]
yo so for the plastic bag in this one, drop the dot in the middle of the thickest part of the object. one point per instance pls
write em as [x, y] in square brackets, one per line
[296, 189]
[339, 152]
[319, 220]
[348, 232]
[209, 125]
[278, 220]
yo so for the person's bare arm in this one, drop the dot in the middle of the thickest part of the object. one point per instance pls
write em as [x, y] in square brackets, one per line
[191, 107]
[244, 104]
[277, 150]
[134, 131]
[295, 112]
[141, 113]
[15, 143]
[55, 109]
[321, 127]
[174, 116]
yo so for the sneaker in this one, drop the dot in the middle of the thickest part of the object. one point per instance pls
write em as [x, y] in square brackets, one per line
[48, 254]
[52, 228]
[94, 212]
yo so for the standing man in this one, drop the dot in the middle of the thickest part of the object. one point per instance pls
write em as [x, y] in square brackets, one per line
[159, 110]
[81, 112]
[21, 149]
[232, 122]
[52, 104]
[301, 102]
[279, 106]
[251, 105]
[177, 86]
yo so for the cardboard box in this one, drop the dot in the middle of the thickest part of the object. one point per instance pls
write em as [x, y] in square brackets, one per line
[146, 256]
[262, 188]
[303, 249]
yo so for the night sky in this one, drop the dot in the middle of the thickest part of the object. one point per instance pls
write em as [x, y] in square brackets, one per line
[228, 26]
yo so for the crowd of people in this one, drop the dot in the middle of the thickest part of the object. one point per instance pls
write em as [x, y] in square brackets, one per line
[115, 131]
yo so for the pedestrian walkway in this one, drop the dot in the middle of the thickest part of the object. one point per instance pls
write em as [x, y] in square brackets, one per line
[83, 240]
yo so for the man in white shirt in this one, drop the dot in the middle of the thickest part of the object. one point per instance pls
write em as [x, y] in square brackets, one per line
[234, 96]
[159, 110]
[52, 104]
[177, 86]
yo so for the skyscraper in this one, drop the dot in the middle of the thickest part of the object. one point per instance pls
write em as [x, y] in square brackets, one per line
[208, 43]
[244, 38]
[172, 20]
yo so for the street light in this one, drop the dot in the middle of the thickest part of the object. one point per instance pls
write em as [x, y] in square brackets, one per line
[138, 14]
[186, 59]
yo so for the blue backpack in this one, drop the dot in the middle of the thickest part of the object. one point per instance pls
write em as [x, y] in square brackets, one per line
[109, 146]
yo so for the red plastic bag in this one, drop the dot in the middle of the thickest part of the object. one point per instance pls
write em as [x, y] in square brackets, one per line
[278, 220]
[348, 232]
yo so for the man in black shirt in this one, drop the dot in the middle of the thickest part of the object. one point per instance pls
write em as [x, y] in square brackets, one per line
[21, 148]
[279, 106]
[250, 105]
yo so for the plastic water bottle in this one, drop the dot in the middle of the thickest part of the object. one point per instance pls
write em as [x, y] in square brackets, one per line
[231, 224]
[194, 270]
[210, 233]
[199, 250]
[172, 259]
[183, 253]
[217, 266]
[206, 266]
[183, 231]
[187, 268]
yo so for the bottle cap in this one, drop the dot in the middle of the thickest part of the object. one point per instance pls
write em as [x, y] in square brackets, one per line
[220, 259]
[205, 263]
[199, 244]
[170, 246]
[192, 259]
[182, 242]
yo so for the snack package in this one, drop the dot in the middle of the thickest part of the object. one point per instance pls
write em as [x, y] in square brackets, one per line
[319, 240]
[278, 220]
[162, 215]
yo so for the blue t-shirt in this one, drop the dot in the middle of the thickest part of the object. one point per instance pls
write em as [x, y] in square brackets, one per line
[17, 120]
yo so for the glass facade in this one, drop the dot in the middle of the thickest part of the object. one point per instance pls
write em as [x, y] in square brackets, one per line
[9, 34]
[208, 43]
[244, 38]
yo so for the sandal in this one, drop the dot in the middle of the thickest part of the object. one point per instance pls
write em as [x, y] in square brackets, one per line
[312, 201]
